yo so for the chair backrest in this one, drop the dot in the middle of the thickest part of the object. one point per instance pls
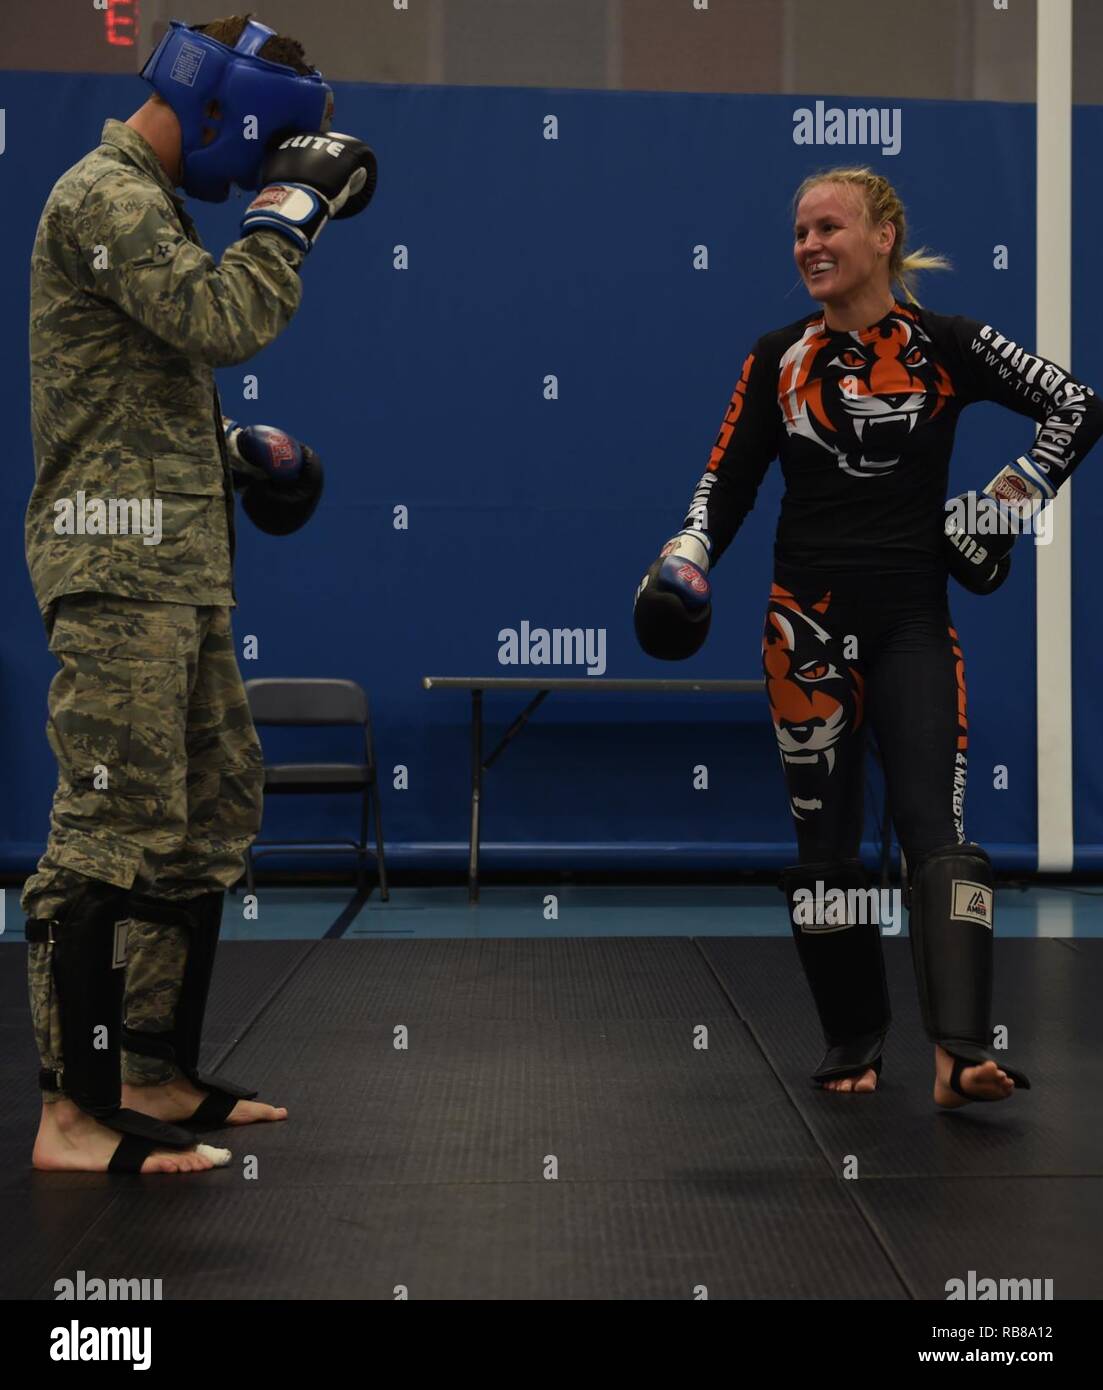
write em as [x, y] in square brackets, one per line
[306, 701]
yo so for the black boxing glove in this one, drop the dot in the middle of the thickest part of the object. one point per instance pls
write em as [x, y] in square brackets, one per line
[980, 582]
[979, 536]
[673, 608]
[280, 505]
[306, 180]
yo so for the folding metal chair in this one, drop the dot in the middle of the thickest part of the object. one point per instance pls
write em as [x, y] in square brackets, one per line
[320, 703]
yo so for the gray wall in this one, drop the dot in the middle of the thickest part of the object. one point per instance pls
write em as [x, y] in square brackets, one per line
[964, 49]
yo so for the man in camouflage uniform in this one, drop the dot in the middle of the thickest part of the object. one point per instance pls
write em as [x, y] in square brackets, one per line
[160, 769]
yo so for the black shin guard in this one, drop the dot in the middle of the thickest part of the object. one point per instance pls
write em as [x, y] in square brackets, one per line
[201, 919]
[952, 918]
[88, 960]
[843, 965]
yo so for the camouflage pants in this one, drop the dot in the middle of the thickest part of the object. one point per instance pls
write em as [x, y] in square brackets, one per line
[159, 788]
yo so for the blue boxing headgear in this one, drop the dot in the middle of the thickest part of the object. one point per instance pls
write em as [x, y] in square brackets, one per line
[191, 72]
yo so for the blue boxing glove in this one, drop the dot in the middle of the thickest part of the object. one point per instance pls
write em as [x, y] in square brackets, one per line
[261, 451]
[673, 608]
[280, 480]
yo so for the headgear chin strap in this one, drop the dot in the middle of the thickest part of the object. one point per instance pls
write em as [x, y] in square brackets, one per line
[231, 104]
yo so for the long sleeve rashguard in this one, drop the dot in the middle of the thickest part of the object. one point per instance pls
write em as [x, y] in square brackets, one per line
[863, 423]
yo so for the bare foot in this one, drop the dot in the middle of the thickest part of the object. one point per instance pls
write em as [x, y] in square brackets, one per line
[70, 1141]
[984, 1082]
[866, 1082]
[178, 1099]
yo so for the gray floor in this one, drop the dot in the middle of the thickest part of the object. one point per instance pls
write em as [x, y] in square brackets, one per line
[579, 1116]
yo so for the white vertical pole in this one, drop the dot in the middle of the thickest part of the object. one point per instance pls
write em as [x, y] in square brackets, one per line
[614, 50]
[1054, 340]
[788, 46]
[434, 44]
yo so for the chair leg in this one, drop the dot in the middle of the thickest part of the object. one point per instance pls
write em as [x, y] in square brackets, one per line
[362, 843]
[384, 891]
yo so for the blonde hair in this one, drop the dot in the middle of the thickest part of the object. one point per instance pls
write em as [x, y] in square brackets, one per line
[882, 204]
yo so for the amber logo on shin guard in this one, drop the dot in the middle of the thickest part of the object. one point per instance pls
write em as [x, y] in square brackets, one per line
[835, 909]
[971, 902]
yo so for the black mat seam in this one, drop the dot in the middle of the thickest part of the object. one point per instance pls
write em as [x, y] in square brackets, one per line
[832, 1177]
[982, 1177]
[266, 1003]
[220, 1058]
[348, 915]
[679, 1184]
[870, 1222]
[365, 933]
[50, 1282]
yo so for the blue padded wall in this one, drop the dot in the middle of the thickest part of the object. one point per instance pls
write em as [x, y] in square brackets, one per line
[424, 388]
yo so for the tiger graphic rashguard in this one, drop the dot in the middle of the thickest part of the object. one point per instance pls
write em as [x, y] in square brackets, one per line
[863, 423]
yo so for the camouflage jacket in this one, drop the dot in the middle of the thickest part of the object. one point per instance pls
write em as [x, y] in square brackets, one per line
[129, 317]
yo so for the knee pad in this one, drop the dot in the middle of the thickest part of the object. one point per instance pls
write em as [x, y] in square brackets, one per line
[842, 960]
[953, 910]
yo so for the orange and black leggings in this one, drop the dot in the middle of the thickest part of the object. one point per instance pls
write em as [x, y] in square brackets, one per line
[844, 653]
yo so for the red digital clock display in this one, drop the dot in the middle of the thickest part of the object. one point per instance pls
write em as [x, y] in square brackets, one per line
[120, 23]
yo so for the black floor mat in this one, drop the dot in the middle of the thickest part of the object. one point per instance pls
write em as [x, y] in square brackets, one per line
[760, 1237]
[583, 1118]
[1000, 1228]
[1045, 994]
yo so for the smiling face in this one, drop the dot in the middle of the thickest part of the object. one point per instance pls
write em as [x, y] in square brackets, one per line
[839, 254]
